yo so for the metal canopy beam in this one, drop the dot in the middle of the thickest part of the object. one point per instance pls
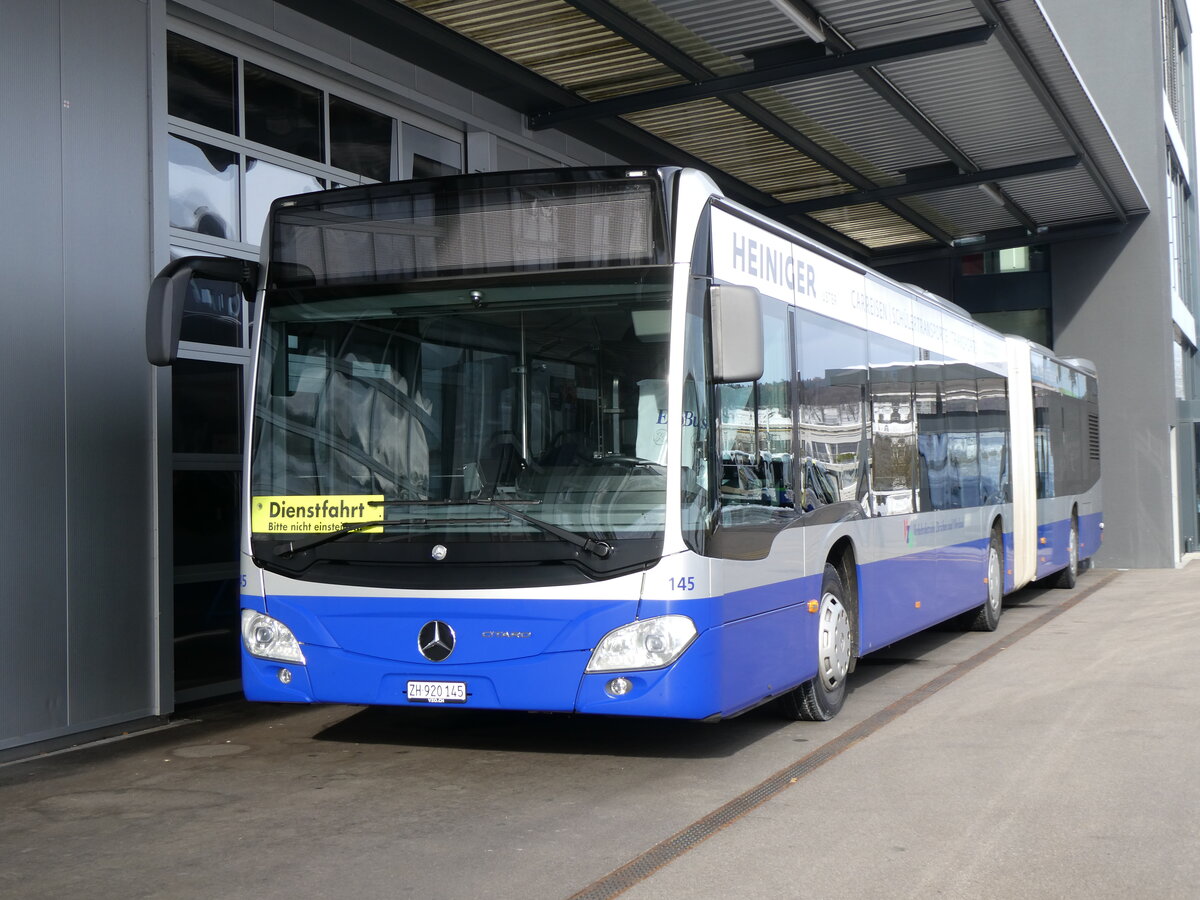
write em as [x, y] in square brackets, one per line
[1012, 47]
[1001, 239]
[633, 31]
[772, 75]
[909, 111]
[925, 186]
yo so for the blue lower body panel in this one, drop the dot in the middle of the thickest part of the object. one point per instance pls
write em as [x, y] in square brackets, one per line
[728, 668]
[899, 597]
[1054, 540]
[548, 682]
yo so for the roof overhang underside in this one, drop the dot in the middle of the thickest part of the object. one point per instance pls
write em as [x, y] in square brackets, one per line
[893, 129]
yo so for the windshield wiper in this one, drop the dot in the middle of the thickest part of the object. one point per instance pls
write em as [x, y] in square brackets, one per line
[600, 548]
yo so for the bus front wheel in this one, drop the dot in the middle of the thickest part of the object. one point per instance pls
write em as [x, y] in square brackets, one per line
[819, 699]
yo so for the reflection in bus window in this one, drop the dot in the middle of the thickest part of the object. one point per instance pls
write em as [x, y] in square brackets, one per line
[832, 368]
[993, 440]
[893, 426]
[755, 427]
[962, 436]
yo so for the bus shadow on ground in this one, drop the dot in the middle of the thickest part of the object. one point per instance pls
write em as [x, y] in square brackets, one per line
[554, 733]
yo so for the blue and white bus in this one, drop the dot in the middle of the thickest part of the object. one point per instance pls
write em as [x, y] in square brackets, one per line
[603, 441]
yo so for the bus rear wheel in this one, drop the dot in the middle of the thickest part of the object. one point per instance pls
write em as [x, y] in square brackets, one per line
[1067, 577]
[820, 699]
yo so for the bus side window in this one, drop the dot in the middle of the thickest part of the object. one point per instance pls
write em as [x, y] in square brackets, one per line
[755, 423]
[893, 426]
[993, 439]
[832, 428]
[931, 440]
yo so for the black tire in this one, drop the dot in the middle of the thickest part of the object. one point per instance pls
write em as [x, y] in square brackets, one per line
[820, 699]
[987, 617]
[1068, 576]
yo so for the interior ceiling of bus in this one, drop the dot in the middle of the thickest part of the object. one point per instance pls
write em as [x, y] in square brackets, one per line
[894, 130]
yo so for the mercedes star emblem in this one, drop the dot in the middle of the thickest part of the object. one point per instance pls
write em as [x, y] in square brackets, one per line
[439, 552]
[435, 641]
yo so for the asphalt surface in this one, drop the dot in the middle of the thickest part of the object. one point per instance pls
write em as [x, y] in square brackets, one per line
[1057, 757]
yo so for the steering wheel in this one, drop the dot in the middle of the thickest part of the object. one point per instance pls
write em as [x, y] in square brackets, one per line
[565, 449]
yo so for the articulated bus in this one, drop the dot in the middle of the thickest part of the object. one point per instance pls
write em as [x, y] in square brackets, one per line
[603, 441]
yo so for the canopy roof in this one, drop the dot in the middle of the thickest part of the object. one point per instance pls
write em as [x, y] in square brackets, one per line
[893, 129]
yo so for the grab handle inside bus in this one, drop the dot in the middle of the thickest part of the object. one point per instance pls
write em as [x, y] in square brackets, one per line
[168, 295]
[737, 333]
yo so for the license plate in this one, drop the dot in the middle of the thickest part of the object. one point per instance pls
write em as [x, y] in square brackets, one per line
[437, 692]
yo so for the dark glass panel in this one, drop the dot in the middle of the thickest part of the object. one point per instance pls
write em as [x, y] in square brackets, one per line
[207, 404]
[430, 155]
[283, 113]
[206, 517]
[207, 626]
[212, 311]
[360, 139]
[201, 84]
[423, 167]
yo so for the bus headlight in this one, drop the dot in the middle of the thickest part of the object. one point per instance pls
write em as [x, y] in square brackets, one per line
[647, 644]
[269, 638]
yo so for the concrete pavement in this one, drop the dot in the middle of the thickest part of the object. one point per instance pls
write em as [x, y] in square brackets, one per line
[1057, 757]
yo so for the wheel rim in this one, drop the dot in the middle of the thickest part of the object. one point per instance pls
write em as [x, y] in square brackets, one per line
[995, 585]
[834, 641]
[1073, 550]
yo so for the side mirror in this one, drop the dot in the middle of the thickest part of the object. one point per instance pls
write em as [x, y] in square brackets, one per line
[168, 294]
[737, 334]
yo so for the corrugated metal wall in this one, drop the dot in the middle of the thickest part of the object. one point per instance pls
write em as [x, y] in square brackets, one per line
[77, 648]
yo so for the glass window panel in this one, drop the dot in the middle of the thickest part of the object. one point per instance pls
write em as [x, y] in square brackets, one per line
[360, 139]
[201, 84]
[1028, 323]
[697, 439]
[283, 113]
[428, 155]
[212, 310]
[741, 481]
[932, 483]
[960, 405]
[207, 405]
[202, 181]
[775, 408]
[207, 521]
[893, 426]
[832, 362]
[266, 182]
[993, 440]
[207, 623]
[423, 167]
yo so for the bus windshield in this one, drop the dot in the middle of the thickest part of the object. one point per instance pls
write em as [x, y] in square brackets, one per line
[437, 406]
